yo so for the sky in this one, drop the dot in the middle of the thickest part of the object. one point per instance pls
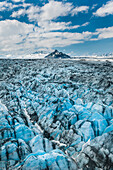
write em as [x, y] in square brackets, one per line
[76, 27]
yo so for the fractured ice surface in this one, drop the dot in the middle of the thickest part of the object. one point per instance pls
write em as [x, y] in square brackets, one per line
[56, 114]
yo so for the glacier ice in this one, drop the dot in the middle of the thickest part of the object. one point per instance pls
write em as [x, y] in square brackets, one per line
[56, 114]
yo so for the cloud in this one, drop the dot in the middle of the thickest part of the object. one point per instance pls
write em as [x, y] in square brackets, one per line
[18, 0]
[18, 37]
[54, 9]
[5, 6]
[50, 11]
[105, 32]
[94, 6]
[12, 32]
[105, 10]
[85, 24]
[79, 9]
[8, 6]
[47, 15]
[18, 13]
[58, 39]
[53, 26]
[102, 33]
[47, 12]
[12, 27]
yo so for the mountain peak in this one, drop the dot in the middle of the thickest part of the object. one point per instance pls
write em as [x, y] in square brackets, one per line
[56, 51]
[56, 54]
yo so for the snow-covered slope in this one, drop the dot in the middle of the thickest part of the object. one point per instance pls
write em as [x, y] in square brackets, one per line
[56, 114]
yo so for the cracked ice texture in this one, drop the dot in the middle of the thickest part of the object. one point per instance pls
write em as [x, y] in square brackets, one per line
[56, 114]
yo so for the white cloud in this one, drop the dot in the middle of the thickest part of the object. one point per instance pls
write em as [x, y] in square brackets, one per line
[13, 32]
[46, 15]
[18, 0]
[53, 26]
[50, 11]
[79, 9]
[54, 9]
[16, 37]
[13, 27]
[5, 6]
[105, 32]
[34, 13]
[94, 5]
[56, 39]
[105, 10]
[47, 12]
[85, 24]
[102, 33]
[18, 13]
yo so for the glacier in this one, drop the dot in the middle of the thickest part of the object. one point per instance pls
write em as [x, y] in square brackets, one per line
[56, 114]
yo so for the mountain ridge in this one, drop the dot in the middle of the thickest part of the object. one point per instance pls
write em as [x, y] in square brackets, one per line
[56, 54]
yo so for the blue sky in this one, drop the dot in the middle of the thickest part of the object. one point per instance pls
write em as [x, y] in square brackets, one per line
[77, 27]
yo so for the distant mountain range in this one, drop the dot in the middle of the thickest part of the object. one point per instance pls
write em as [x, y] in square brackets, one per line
[40, 52]
[56, 54]
[107, 54]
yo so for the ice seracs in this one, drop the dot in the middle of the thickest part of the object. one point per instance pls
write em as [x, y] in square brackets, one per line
[56, 114]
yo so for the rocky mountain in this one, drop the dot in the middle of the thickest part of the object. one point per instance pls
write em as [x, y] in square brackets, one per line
[56, 115]
[107, 55]
[56, 54]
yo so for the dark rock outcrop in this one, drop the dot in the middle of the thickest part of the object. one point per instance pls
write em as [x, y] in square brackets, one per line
[56, 54]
